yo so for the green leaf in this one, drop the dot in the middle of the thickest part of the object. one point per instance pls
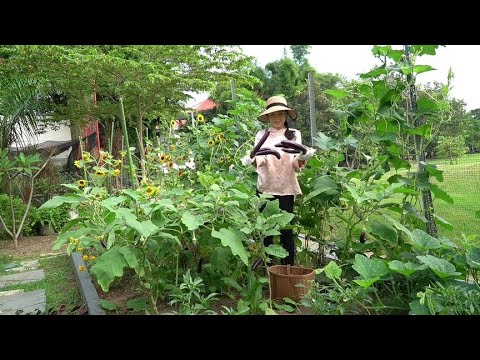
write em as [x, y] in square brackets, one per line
[325, 143]
[269, 311]
[62, 239]
[110, 202]
[276, 250]
[133, 194]
[411, 210]
[166, 235]
[233, 283]
[332, 270]
[473, 257]
[385, 231]
[130, 256]
[406, 269]
[374, 73]
[108, 266]
[59, 200]
[424, 49]
[369, 268]
[441, 267]
[416, 308]
[421, 240]
[365, 283]
[284, 307]
[443, 222]
[138, 305]
[398, 226]
[440, 194]
[477, 214]
[215, 187]
[192, 222]
[418, 69]
[108, 305]
[405, 190]
[338, 93]
[148, 228]
[234, 239]
[424, 130]
[433, 171]
[426, 106]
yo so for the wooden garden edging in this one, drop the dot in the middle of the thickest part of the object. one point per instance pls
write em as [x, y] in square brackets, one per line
[87, 289]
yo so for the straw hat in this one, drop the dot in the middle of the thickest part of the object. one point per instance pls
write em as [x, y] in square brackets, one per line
[276, 103]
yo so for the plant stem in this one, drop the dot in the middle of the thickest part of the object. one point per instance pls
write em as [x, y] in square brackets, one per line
[127, 144]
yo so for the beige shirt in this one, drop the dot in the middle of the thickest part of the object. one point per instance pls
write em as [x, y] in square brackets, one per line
[277, 176]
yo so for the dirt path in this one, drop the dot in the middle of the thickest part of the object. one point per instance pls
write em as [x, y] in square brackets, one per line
[29, 247]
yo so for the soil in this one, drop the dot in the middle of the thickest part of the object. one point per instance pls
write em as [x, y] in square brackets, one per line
[30, 247]
[120, 292]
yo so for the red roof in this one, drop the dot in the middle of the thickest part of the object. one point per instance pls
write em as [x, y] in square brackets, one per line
[205, 105]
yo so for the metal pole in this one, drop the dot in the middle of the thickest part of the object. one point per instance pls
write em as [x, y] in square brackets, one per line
[311, 101]
[419, 153]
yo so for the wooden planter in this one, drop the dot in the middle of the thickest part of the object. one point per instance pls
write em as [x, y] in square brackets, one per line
[283, 279]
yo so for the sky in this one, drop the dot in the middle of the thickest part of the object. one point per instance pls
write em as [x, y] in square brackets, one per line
[351, 60]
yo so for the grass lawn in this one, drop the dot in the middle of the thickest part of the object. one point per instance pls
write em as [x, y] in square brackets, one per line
[462, 183]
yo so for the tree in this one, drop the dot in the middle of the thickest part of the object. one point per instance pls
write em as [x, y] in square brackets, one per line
[300, 53]
[473, 131]
[20, 109]
[152, 80]
[451, 147]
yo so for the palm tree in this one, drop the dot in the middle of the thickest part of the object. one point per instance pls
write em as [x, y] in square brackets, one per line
[20, 107]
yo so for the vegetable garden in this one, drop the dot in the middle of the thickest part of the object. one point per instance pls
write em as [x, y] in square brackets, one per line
[177, 211]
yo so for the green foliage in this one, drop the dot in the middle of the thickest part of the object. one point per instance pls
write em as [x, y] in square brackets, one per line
[451, 147]
[19, 209]
[56, 217]
[453, 299]
[189, 296]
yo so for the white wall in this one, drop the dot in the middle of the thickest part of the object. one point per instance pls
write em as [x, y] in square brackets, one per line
[62, 134]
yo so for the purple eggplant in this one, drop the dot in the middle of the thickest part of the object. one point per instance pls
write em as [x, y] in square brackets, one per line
[268, 151]
[294, 145]
[291, 151]
[259, 145]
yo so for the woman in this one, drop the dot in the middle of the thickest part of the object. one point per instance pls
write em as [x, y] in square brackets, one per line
[277, 176]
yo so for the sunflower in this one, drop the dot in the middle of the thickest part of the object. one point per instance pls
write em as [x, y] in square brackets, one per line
[172, 147]
[173, 122]
[86, 156]
[200, 118]
[150, 190]
[85, 257]
[81, 268]
[78, 164]
[99, 172]
[116, 172]
[92, 258]
[81, 183]
[211, 142]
